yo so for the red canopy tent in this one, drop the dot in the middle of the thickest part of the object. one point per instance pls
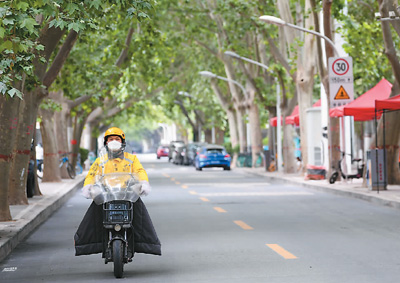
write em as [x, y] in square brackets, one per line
[294, 118]
[382, 106]
[392, 103]
[363, 107]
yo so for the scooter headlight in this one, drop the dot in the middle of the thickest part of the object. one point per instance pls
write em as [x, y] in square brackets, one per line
[117, 227]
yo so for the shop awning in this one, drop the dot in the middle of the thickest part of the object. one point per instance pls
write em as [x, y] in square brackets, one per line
[363, 107]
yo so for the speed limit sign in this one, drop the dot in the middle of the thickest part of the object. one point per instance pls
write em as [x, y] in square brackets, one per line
[341, 88]
[340, 67]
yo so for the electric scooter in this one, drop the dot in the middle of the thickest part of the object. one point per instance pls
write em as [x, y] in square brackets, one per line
[117, 192]
[358, 175]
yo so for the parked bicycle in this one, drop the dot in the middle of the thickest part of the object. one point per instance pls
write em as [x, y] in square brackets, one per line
[70, 169]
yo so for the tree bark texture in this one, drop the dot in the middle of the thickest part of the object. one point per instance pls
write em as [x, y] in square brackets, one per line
[392, 137]
[51, 173]
[8, 126]
[255, 133]
[22, 148]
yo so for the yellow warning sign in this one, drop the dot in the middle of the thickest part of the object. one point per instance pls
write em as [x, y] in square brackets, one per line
[341, 94]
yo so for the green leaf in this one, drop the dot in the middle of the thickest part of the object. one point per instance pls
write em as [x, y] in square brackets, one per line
[71, 8]
[3, 88]
[95, 3]
[12, 92]
[29, 23]
[8, 21]
[2, 30]
[39, 47]
[22, 6]
[6, 45]
[76, 26]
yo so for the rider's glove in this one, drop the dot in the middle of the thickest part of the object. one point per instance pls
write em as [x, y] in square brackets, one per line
[86, 191]
[145, 189]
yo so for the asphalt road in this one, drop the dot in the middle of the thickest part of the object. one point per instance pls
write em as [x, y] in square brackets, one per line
[227, 226]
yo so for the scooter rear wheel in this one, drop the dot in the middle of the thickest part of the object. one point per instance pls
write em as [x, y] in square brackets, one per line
[118, 258]
[333, 178]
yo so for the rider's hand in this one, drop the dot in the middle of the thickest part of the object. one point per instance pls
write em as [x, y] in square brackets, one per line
[86, 191]
[145, 189]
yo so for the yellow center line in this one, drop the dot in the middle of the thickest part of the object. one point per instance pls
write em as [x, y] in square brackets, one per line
[172, 179]
[184, 187]
[281, 251]
[165, 175]
[178, 183]
[204, 199]
[219, 209]
[192, 192]
[243, 225]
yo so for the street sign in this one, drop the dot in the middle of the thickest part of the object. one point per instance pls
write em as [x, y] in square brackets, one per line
[341, 87]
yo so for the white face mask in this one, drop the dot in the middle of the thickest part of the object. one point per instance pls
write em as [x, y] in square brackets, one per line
[114, 145]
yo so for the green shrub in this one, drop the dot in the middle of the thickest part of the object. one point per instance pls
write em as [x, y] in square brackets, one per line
[84, 154]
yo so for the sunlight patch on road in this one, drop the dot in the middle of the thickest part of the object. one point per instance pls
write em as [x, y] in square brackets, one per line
[204, 199]
[193, 192]
[281, 251]
[243, 225]
[184, 187]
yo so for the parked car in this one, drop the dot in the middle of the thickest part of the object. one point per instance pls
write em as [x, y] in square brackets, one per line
[213, 156]
[178, 154]
[191, 152]
[172, 146]
[162, 151]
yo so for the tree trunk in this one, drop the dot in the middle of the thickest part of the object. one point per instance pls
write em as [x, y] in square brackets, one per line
[392, 139]
[255, 133]
[288, 149]
[241, 124]
[78, 130]
[9, 121]
[333, 123]
[51, 172]
[22, 148]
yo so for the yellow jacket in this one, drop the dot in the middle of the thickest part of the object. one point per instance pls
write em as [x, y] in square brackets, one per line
[129, 164]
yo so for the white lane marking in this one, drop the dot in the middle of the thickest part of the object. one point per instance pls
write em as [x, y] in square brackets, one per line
[8, 269]
[232, 185]
[241, 194]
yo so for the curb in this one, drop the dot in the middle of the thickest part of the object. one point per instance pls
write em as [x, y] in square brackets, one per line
[32, 219]
[337, 191]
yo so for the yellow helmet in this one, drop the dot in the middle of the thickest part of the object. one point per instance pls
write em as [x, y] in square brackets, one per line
[114, 131]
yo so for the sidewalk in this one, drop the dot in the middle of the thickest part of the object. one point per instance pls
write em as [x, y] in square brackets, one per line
[351, 188]
[27, 218]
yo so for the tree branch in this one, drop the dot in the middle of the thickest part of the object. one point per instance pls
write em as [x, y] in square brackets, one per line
[124, 53]
[59, 60]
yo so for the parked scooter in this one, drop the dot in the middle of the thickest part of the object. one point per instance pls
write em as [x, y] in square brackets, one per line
[117, 192]
[358, 175]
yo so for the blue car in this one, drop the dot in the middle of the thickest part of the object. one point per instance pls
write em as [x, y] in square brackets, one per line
[212, 156]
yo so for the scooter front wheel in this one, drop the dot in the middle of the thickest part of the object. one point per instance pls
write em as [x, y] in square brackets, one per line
[333, 178]
[118, 258]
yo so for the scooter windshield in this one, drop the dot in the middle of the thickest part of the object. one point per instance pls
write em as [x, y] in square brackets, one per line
[116, 186]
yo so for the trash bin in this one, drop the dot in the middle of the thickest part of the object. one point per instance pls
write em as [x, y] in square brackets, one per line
[377, 173]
